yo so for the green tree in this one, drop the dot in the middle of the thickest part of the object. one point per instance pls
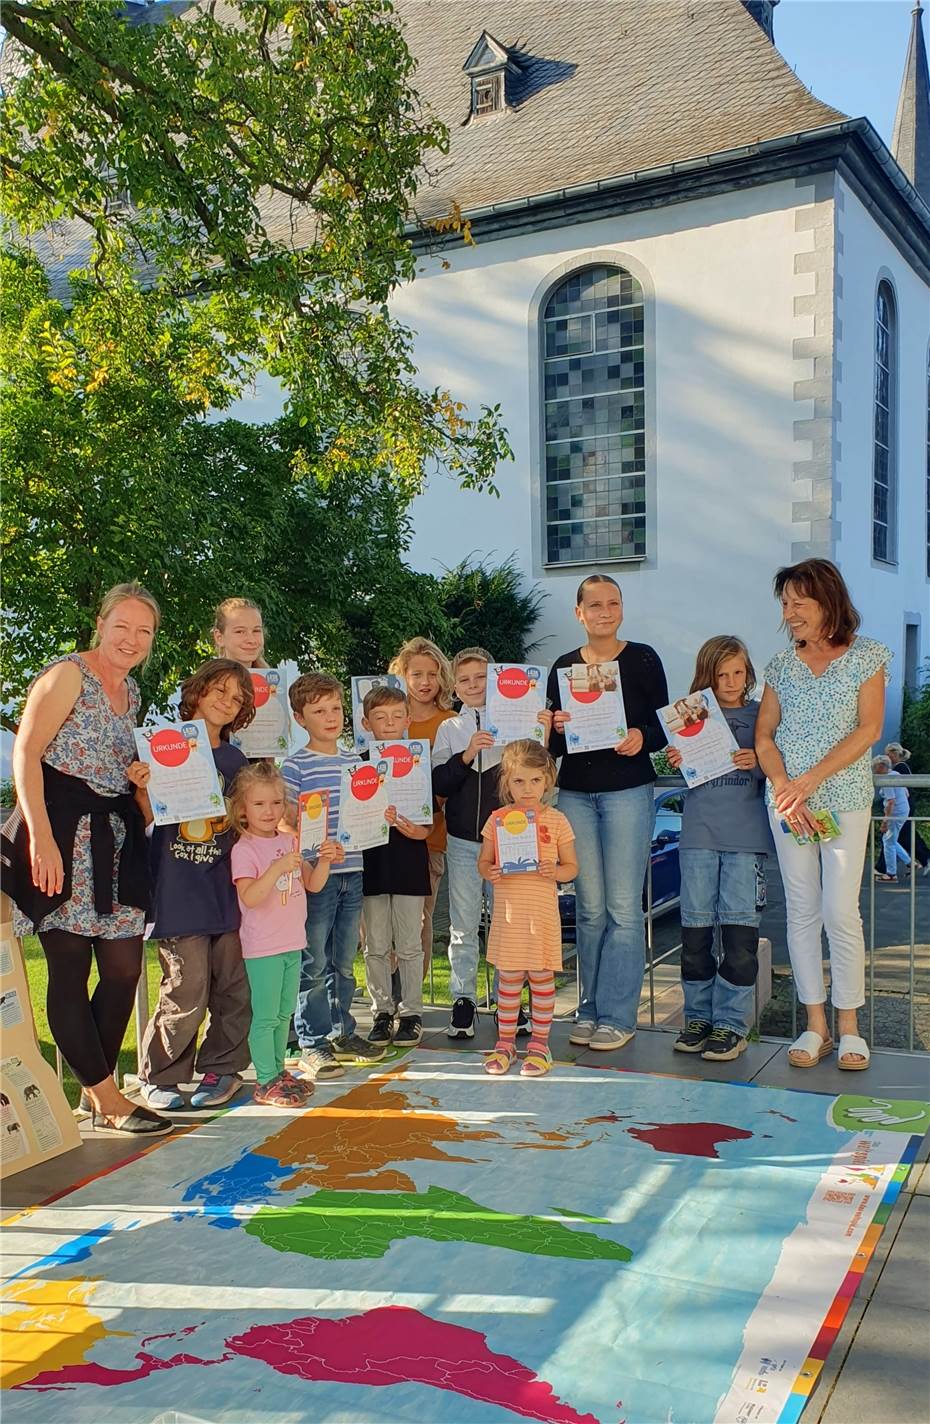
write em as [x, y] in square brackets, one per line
[490, 608]
[264, 155]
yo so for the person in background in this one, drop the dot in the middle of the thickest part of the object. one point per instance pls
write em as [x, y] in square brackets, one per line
[900, 759]
[239, 633]
[897, 808]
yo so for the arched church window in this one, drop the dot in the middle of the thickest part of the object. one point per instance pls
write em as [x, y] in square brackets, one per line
[595, 421]
[884, 452]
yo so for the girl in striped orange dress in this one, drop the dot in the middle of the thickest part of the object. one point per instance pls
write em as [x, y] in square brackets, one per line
[526, 936]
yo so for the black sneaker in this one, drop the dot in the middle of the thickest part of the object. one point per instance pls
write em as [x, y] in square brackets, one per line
[409, 1031]
[382, 1033]
[723, 1044]
[350, 1048]
[463, 1020]
[524, 1026]
[320, 1062]
[692, 1037]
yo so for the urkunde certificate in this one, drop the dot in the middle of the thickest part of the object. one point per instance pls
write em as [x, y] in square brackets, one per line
[697, 728]
[516, 696]
[591, 692]
[363, 799]
[411, 785]
[184, 785]
[516, 836]
[270, 731]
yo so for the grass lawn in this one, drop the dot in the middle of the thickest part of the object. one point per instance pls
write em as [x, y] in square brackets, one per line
[128, 1060]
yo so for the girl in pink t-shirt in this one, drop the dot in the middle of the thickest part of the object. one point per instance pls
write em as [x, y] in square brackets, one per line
[272, 883]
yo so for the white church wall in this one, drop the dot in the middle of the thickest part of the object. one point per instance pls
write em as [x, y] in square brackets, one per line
[723, 281]
[890, 596]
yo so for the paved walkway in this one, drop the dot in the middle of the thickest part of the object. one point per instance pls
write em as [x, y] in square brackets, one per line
[879, 1369]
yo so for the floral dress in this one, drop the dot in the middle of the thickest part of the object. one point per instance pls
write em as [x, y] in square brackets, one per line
[96, 744]
[818, 712]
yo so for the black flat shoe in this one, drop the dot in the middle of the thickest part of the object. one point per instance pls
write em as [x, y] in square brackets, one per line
[141, 1122]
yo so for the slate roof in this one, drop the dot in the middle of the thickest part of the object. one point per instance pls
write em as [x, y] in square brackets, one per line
[606, 87]
[910, 142]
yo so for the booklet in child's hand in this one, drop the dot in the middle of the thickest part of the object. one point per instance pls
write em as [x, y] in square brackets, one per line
[516, 836]
[312, 822]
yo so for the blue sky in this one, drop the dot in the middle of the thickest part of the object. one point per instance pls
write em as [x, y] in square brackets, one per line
[849, 52]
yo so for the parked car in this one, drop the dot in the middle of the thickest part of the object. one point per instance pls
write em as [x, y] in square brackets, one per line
[666, 873]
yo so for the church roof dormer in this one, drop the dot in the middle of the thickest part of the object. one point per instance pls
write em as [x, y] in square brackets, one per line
[910, 142]
[487, 67]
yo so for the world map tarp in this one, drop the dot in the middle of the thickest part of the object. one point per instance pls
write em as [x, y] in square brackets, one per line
[426, 1244]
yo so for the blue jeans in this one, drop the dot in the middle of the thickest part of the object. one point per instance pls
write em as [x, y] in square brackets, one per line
[725, 888]
[466, 900]
[327, 975]
[613, 838]
[894, 851]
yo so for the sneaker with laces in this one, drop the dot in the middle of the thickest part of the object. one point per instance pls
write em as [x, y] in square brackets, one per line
[303, 1087]
[524, 1027]
[605, 1037]
[320, 1062]
[583, 1031]
[350, 1048]
[723, 1044]
[279, 1094]
[214, 1089]
[463, 1020]
[163, 1099]
[409, 1031]
[692, 1037]
[382, 1033]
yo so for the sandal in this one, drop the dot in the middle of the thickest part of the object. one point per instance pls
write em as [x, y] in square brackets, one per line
[278, 1094]
[807, 1051]
[499, 1060]
[851, 1043]
[537, 1062]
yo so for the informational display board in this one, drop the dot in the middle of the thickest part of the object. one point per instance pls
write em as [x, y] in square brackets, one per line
[36, 1122]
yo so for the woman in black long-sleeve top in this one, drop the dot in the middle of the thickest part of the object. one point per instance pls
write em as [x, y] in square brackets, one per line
[608, 798]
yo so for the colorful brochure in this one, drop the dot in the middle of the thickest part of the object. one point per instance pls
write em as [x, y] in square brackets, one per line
[591, 692]
[184, 785]
[363, 799]
[696, 726]
[271, 730]
[516, 696]
[312, 822]
[411, 788]
[828, 828]
[516, 836]
[361, 686]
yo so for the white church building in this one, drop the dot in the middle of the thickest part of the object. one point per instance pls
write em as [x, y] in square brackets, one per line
[702, 300]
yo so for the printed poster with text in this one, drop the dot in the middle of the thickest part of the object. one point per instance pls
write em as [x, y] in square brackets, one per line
[271, 730]
[363, 800]
[312, 822]
[592, 695]
[184, 785]
[361, 686]
[696, 727]
[411, 789]
[516, 696]
[516, 836]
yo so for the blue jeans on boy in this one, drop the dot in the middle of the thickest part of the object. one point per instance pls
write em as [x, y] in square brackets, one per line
[466, 900]
[724, 888]
[613, 838]
[327, 975]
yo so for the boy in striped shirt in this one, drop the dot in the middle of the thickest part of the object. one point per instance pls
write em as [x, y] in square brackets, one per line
[323, 1018]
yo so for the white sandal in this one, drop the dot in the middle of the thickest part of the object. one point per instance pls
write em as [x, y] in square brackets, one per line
[812, 1047]
[852, 1043]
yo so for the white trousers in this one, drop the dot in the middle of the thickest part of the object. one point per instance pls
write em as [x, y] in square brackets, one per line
[822, 883]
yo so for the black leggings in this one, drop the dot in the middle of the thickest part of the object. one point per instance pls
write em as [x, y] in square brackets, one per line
[90, 1032]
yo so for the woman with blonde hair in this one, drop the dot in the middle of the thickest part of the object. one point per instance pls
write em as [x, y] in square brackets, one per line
[76, 848]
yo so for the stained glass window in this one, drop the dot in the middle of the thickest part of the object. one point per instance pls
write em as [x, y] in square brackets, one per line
[884, 455]
[595, 420]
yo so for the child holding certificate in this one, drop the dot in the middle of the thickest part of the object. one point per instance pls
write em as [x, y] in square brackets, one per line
[428, 676]
[197, 921]
[724, 841]
[526, 934]
[271, 881]
[396, 883]
[323, 1018]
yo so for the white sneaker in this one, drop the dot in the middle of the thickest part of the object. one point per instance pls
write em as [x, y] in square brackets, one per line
[583, 1031]
[605, 1038]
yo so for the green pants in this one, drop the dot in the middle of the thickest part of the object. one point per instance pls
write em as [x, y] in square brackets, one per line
[273, 980]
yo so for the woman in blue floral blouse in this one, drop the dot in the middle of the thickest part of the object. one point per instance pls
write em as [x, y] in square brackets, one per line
[821, 711]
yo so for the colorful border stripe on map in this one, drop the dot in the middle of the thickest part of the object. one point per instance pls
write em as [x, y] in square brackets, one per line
[803, 1387]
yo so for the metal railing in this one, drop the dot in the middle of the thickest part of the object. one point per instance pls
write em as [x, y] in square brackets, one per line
[874, 989]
